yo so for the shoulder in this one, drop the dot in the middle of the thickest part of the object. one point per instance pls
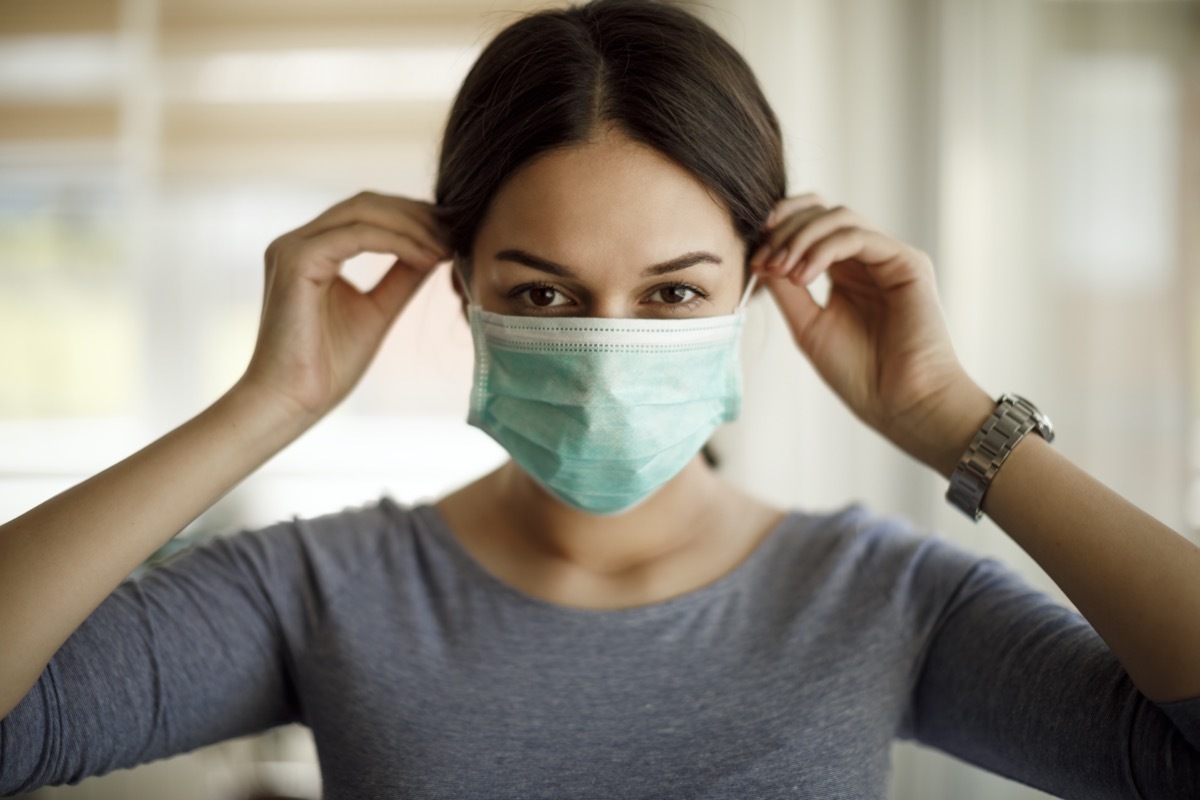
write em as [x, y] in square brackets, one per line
[867, 558]
[304, 573]
[323, 553]
[871, 543]
[334, 534]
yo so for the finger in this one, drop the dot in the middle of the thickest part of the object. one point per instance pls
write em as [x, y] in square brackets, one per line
[817, 228]
[790, 205]
[774, 250]
[782, 210]
[373, 203]
[796, 234]
[799, 308]
[889, 264]
[792, 238]
[400, 214]
[396, 288]
[320, 257]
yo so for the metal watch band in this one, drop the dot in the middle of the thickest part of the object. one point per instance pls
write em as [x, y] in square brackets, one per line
[1013, 418]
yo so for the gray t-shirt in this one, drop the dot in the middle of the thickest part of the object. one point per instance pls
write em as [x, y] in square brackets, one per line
[423, 676]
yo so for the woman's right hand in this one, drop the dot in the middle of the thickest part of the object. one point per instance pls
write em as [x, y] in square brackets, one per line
[318, 332]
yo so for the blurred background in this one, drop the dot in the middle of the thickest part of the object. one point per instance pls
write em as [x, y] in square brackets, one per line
[1046, 154]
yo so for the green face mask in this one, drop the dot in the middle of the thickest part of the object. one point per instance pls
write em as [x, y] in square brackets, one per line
[603, 411]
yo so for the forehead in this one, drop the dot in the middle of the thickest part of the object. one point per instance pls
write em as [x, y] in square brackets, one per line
[611, 196]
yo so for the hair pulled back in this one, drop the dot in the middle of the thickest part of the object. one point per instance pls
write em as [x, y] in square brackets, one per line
[653, 71]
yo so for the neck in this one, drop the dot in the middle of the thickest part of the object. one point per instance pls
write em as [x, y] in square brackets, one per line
[688, 534]
[668, 521]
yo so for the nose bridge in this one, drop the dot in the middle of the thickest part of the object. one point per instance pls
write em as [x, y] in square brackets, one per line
[610, 304]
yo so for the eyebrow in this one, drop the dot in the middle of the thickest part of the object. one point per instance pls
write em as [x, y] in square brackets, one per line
[674, 265]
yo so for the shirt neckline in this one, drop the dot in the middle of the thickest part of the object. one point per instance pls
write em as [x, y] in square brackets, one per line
[434, 522]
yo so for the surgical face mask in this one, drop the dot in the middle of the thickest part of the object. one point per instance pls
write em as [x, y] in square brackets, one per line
[601, 411]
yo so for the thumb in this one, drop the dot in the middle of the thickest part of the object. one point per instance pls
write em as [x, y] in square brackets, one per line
[393, 291]
[798, 306]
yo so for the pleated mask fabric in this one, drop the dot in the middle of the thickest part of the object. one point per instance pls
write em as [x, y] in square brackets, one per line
[603, 411]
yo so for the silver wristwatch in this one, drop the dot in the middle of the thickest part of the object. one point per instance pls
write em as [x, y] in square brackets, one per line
[1013, 418]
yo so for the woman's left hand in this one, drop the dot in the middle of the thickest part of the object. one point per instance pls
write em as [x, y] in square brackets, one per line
[882, 344]
[880, 341]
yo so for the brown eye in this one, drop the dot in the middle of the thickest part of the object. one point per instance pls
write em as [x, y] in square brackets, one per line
[542, 296]
[674, 295]
[537, 296]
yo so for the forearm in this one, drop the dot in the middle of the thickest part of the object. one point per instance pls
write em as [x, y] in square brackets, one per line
[61, 559]
[881, 343]
[1135, 580]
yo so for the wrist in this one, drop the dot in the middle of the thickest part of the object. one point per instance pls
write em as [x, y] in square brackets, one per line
[946, 433]
[971, 416]
[260, 413]
[1005, 429]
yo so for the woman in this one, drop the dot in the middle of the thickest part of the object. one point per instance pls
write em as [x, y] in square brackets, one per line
[604, 616]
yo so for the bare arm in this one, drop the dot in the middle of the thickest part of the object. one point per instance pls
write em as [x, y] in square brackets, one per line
[1135, 580]
[60, 560]
[881, 343]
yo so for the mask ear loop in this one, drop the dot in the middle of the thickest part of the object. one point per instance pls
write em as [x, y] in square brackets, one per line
[463, 282]
[750, 284]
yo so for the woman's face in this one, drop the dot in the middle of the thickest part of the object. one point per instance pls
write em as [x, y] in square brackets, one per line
[610, 228]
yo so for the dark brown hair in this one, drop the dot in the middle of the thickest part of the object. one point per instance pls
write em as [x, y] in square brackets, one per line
[653, 71]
